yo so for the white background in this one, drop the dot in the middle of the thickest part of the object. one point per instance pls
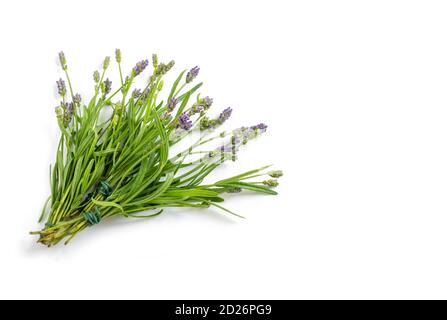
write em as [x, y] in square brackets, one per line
[355, 96]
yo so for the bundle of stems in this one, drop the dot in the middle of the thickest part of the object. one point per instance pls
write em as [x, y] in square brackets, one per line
[114, 159]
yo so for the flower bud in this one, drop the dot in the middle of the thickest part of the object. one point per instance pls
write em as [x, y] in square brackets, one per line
[118, 55]
[77, 98]
[192, 74]
[155, 60]
[62, 60]
[96, 76]
[61, 89]
[271, 183]
[275, 173]
[106, 63]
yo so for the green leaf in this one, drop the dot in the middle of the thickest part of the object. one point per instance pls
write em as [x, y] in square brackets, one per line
[190, 92]
[242, 175]
[175, 85]
[106, 204]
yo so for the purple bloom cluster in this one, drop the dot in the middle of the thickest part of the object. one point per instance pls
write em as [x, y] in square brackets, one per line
[192, 74]
[140, 66]
[170, 65]
[77, 98]
[136, 93]
[172, 104]
[195, 109]
[68, 113]
[202, 104]
[146, 92]
[184, 122]
[107, 86]
[262, 127]
[206, 102]
[226, 148]
[242, 135]
[238, 138]
[61, 89]
[163, 68]
[207, 123]
[225, 115]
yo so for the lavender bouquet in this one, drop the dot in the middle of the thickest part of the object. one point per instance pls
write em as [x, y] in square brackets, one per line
[114, 159]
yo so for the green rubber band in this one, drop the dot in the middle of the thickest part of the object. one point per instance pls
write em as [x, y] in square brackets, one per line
[92, 217]
[104, 188]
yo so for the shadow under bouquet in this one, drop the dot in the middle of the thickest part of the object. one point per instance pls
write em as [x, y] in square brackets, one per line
[114, 156]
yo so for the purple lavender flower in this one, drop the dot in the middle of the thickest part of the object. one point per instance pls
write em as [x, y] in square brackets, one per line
[68, 113]
[262, 127]
[195, 109]
[206, 102]
[201, 105]
[235, 140]
[77, 98]
[170, 65]
[62, 60]
[192, 74]
[163, 68]
[61, 89]
[145, 93]
[184, 122]
[136, 93]
[225, 115]
[172, 104]
[226, 151]
[226, 148]
[165, 115]
[107, 87]
[140, 66]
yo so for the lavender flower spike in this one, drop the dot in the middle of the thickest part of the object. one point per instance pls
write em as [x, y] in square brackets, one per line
[106, 63]
[118, 55]
[184, 122]
[155, 60]
[225, 115]
[136, 93]
[140, 66]
[172, 103]
[107, 86]
[206, 102]
[192, 74]
[62, 60]
[77, 98]
[261, 127]
[61, 89]
[96, 76]
[68, 113]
